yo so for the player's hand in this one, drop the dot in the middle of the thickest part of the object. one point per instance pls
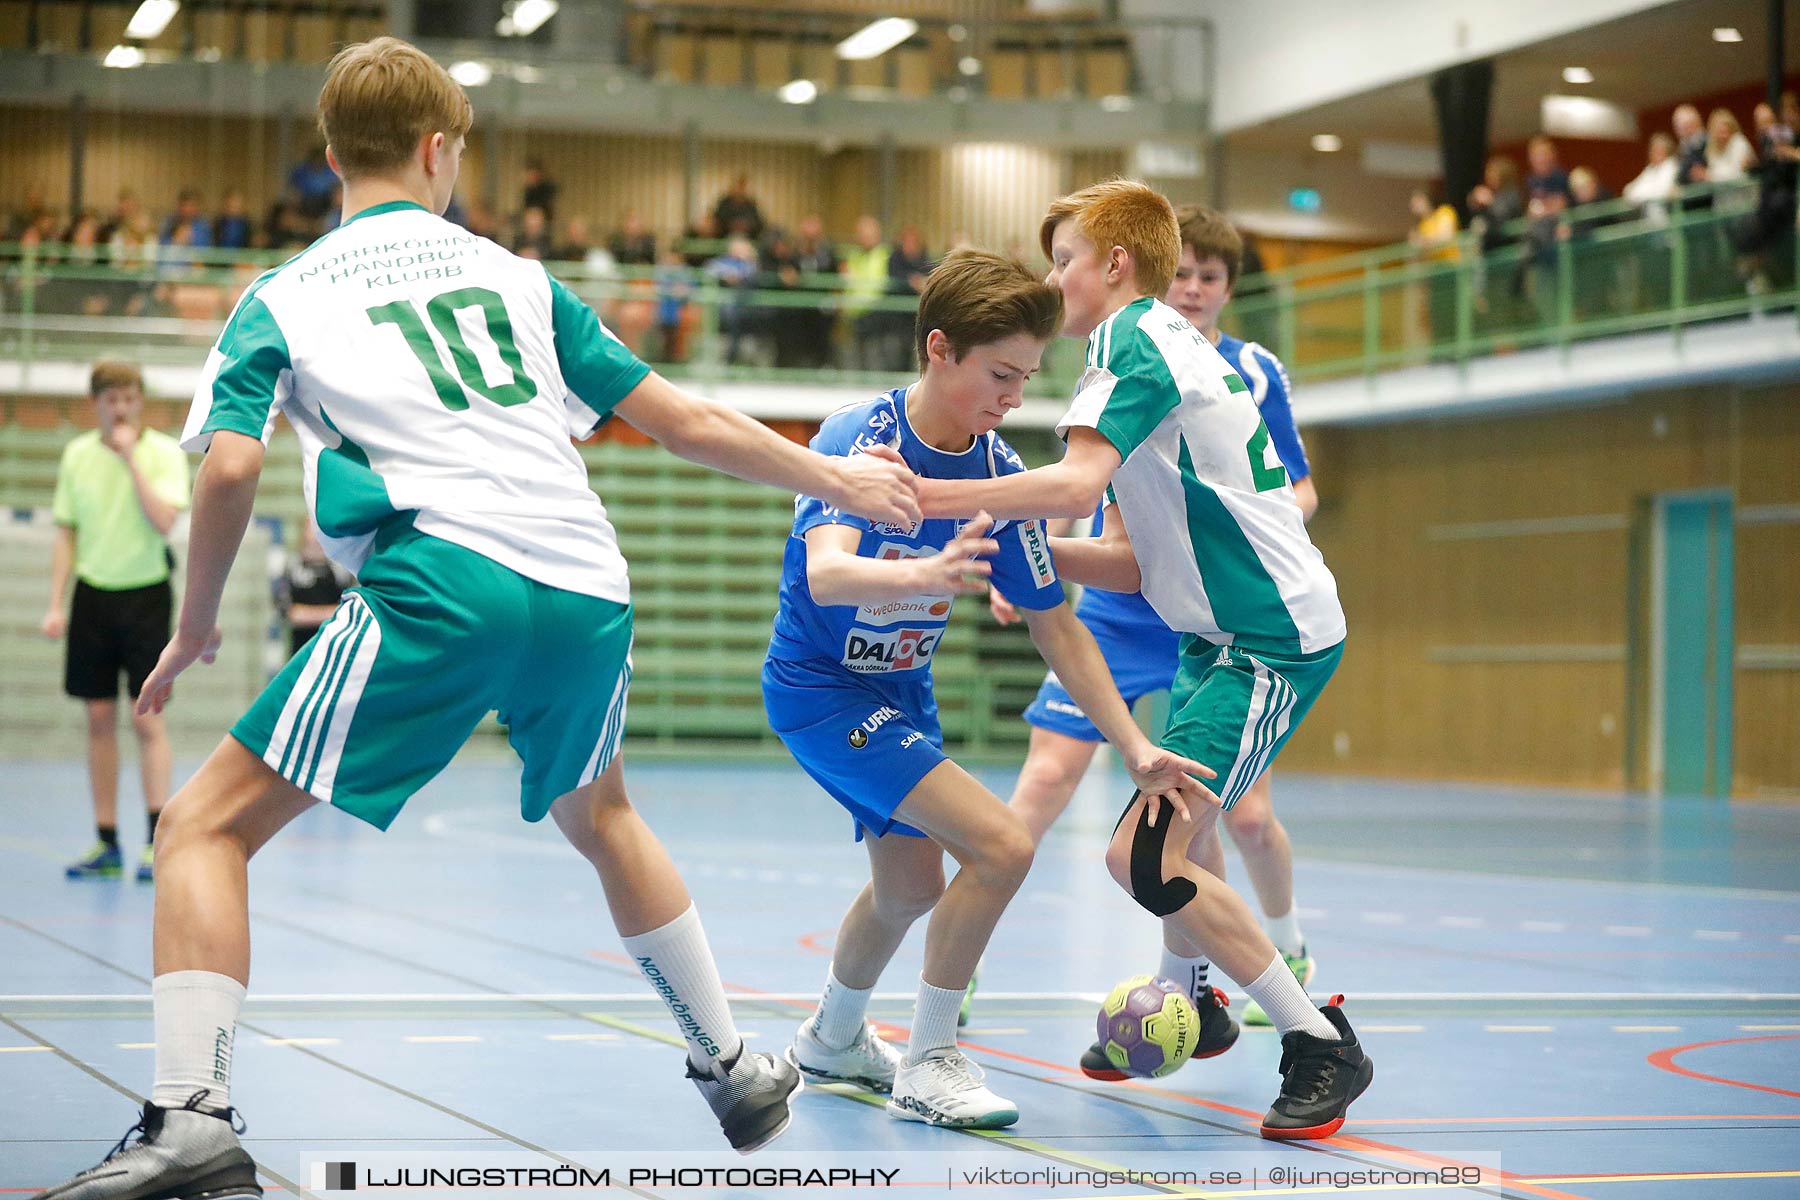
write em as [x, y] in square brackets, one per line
[53, 624]
[958, 569]
[878, 484]
[1002, 608]
[121, 439]
[1165, 775]
[180, 654]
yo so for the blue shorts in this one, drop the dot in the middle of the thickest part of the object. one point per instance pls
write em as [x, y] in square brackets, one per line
[868, 746]
[1142, 659]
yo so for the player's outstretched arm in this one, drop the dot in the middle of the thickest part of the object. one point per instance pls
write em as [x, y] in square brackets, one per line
[224, 492]
[1070, 488]
[1070, 651]
[836, 574]
[875, 484]
[1104, 562]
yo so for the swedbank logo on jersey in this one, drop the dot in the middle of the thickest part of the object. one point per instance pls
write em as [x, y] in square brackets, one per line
[870, 653]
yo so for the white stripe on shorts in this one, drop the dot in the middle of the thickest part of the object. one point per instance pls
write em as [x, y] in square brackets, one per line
[343, 711]
[1267, 718]
[326, 644]
[612, 730]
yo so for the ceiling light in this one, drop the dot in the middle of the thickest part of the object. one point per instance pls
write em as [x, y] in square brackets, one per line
[124, 56]
[798, 91]
[1725, 33]
[525, 18]
[1577, 75]
[877, 38]
[470, 73]
[1327, 143]
[957, 33]
[969, 65]
[151, 18]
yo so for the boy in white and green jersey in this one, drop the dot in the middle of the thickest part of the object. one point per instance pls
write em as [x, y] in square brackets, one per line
[1201, 518]
[434, 381]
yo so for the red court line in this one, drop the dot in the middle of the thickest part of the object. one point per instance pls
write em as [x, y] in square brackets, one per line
[1665, 1060]
[1521, 1120]
[1346, 1141]
[810, 941]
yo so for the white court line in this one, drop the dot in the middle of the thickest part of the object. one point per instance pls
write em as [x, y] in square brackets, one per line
[1627, 930]
[137, 1045]
[1718, 935]
[1384, 918]
[23, 1049]
[1769, 1028]
[647, 995]
[1543, 926]
[1392, 1029]
[1791, 938]
[1462, 922]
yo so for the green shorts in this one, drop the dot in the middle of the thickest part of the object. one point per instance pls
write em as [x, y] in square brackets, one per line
[1234, 710]
[433, 638]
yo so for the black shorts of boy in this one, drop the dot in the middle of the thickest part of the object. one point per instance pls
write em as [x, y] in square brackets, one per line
[112, 632]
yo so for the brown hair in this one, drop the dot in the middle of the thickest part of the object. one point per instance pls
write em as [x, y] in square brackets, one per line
[114, 373]
[1209, 235]
[1127, 214]
[380, 98]
[974, 297]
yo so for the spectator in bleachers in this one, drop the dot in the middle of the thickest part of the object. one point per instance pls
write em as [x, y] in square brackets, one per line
[633, 245]
[232, 230]
[540, 190]
[736, 213]
[119, 488]
[735, 273]
[287, 227]
[673, 287]
[1433, 239]
[1595, 275]
[575, 242]
[29, 214]
[778, 270]
[814, 255]
[1763, 238]
[699, 240]
[77, 291]
[187, 227]
[1655, 185]
[313, 182]
[311, 586]
[533, 238]
[908, 265]
[1729, 155]
[1547, 197]
[865, 271]
[1690, 145]
[1494, 204]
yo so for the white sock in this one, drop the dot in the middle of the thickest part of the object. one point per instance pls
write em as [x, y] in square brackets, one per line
[1284, 930]
[679, 965]
[1186, 973]
[843, 1010]
[934, 1020]
[196, 1016]
[1282, 997]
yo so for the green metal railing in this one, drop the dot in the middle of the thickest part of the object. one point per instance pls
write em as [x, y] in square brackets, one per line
[1596, 271]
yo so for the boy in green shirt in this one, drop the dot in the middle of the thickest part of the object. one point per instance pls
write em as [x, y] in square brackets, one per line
[119, 489]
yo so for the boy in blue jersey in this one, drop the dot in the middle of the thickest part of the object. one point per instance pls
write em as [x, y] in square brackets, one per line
[847, 685]
[1141, 650]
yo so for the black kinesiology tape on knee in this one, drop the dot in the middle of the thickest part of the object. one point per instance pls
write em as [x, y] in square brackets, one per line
[1158, 895]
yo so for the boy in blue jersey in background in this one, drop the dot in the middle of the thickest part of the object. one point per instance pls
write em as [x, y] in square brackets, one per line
[1141, 650]
[847, 685]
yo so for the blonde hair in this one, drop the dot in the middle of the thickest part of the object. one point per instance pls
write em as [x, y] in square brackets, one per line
[974, 298]
[1127, 214]
[114, 373]
[381, 98]
[1209, 235]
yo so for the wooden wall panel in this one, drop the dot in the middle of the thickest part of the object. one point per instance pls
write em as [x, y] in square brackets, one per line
[1449, 605]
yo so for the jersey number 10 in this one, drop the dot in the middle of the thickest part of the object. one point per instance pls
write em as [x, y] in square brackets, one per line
[442, 310]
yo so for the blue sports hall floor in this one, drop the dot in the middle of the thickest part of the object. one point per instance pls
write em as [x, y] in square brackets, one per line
[1566, 995]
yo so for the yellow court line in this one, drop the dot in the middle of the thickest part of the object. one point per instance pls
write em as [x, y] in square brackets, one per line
[137, 1045]
[1385, 1188]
